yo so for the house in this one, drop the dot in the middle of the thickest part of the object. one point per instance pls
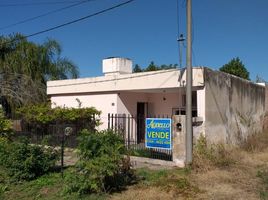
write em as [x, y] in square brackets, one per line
[228, 108]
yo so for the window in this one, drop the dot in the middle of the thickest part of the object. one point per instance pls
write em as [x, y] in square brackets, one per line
[182, 109]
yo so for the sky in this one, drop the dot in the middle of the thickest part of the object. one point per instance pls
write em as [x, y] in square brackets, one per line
[147, 30]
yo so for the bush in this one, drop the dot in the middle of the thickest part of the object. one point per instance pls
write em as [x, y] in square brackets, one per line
[3, 150]
[101, 167]
[38, 118]
[5, 126]
[24, 161]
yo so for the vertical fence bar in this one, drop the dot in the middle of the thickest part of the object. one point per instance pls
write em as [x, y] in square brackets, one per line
[109, 121]
[124, 128]
[128, 131]
[112, 121]
[115, 122]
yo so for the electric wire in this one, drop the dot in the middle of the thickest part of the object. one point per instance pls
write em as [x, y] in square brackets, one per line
[36, 3]
[44, 14]
[71, 22]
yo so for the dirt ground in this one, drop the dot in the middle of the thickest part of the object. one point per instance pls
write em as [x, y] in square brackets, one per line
[239, 181]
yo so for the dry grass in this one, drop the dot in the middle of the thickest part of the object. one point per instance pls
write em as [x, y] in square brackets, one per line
[219, 172]
[256, 142]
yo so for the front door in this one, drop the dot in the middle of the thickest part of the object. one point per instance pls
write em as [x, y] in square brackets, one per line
[141, 107]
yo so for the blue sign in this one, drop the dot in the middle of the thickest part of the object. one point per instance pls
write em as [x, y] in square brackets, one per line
[158, 133]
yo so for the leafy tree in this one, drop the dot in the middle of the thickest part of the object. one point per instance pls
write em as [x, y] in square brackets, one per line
[137, 69]
[236, 67]
[153, 67]
[26, 66]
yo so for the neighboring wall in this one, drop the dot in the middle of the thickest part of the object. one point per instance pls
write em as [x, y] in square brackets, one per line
[234, 107]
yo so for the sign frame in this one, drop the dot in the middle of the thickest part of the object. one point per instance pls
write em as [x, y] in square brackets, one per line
[169, 129]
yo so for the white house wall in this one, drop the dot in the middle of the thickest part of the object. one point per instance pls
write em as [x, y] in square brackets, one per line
[106, 103]
[201, 104]
[162, 79]
[127, 102]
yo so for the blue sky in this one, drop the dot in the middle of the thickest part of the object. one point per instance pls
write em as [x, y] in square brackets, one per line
[146, 30]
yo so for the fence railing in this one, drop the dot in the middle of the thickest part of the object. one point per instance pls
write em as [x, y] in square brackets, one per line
[51, 134]
[132, 129]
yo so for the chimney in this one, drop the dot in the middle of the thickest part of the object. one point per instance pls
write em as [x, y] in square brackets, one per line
[116, 66]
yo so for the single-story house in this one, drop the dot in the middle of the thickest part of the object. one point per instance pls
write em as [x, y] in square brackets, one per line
[228, 108]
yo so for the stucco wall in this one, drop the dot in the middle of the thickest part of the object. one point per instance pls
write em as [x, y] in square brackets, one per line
[234, 107]
[127, 102]
[106, 103]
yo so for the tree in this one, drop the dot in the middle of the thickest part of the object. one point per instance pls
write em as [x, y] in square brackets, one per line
[153, 67]
[25, 67]
[137, 69]
[260, 80]
[236, 67]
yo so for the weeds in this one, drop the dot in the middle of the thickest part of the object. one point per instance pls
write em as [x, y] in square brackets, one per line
[169, 180]
[209, 155]
[263, 175]
[256, 142]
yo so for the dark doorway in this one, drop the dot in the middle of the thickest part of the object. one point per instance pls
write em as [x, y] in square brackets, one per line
[141, 106]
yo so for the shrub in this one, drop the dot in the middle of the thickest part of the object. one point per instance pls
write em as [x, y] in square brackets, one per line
[43, 114]
[26, 162]
[5, 126]
[3, 150]
[101, 167]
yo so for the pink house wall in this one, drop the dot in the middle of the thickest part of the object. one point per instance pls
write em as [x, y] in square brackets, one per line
[106, 103]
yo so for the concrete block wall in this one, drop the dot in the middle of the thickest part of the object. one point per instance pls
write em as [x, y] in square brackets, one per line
[235, 107]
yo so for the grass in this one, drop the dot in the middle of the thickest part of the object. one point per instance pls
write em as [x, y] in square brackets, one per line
[47, 187]
[263, 175]
[218, 172]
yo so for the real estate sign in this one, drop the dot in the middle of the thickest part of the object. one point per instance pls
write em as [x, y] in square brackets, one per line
[158, 133]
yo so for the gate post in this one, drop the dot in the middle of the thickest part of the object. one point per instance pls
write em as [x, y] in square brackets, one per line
[178, 144]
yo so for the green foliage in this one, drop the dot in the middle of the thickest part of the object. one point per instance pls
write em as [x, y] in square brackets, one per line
[137, 69]
[4, 150]
[263, 175]
[25, 67]
[175, 179]
[5, 126]
[24, 161]
[153, 67]
[236, 67]
[43, 114]
[101, 167]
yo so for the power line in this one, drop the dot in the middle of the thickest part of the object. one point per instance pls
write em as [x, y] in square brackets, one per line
[36, 3]
[72, 22]
[43, 15]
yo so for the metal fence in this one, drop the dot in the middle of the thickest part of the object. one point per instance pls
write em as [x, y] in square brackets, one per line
[51, 134]
[132, 129]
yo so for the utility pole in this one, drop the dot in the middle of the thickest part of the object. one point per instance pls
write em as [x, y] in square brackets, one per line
[189, 127]
[180, 40]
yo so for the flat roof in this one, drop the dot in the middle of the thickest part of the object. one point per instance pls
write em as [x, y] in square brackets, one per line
[162, 79]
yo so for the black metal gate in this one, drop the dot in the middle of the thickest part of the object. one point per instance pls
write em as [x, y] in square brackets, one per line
[131, 127]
